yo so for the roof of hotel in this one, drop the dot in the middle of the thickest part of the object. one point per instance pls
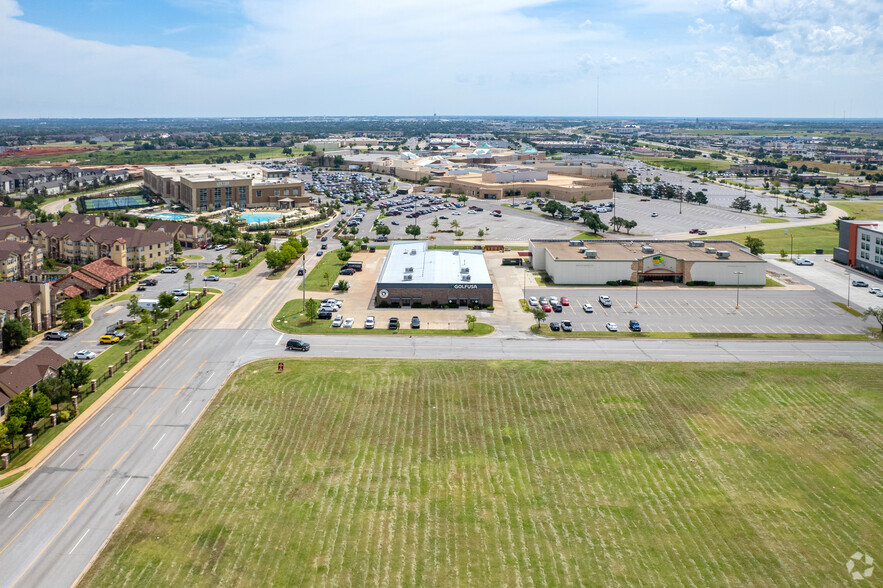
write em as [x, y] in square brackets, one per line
[432, 266]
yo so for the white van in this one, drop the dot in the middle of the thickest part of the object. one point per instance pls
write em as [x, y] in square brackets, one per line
[148, 303]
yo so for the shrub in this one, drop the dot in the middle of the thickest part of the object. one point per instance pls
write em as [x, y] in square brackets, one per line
[491, 307]
[613, 283]
[64, 416]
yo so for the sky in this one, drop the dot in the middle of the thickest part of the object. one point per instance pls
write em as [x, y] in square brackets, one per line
[210, 58]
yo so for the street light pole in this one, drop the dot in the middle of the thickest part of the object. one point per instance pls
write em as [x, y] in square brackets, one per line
[738, 280]
[848, 289]
[637, 279]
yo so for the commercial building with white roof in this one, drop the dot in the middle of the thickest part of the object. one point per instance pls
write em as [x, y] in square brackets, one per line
[414, 274]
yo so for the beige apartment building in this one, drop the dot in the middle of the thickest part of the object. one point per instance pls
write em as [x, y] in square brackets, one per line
[232, 185]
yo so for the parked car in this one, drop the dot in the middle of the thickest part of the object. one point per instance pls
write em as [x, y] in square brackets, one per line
[802, 261]
[85, 354]
[701, 232]
[564, 301]
[860, 283]
[543, 300]
[694, 231]
[170, 270]
[546, 307]
[611, 327]
[557, 308]
[348, 323]
[324, 314]
[369, 322]
[56, 336]
[297, 345]
[555, 326]
[393, 323]
[566, 326]
[212, 278]
[588, 307]
[532, 301]
[415, 322]
[179, 292]
[141, 288]
[605, 301]
[634, 325]
[338, 321]
[553, 300]
[148, 282]
[323, 239]
[347, 271]
[654, 214]
[108, 339]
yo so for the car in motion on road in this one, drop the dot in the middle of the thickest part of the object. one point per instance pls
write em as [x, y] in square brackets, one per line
[85, 354]
[694, 231]
[802, 261]
[149, 282]
[605, 301]
[393, 323]
[566, 326]
[634, 326]
[212, 278]
[612, 327]
[415, 322]
[860, 283]
[588, 307]
[654, 214]
[369, 322]
[108, 339]
[170, 270]
[297, 345]
[56, 336]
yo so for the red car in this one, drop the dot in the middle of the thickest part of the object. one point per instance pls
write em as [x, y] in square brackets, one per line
[565, 301]
[547, 307]
[694, 231]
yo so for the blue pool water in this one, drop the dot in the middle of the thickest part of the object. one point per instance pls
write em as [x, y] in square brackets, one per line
[170, 216]
[254, 218]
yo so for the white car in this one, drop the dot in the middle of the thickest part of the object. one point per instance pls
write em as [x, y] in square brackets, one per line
[369, 322]
[588, 307]
[553, 300]
[611, 327]
[654, 214]
[532, 301]
[85, 354]
[472, 212]
[348, 323]
[212, 278]
[457, 213]
[605, 301]
[802, 261]
[338, 320]
[170, 270]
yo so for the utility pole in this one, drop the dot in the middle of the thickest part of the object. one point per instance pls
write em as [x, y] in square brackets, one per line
[738, 279]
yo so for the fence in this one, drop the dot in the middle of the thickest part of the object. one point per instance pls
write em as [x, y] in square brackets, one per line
[43, 425]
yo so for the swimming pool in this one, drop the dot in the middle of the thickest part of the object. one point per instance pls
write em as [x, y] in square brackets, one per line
[170, 216]
[255, 218]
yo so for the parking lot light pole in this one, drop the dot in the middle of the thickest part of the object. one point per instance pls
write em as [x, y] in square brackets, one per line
[637, 279]
[738, 280]
[848, 284]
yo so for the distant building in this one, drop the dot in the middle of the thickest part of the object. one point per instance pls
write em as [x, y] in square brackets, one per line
[230, 185]
[413, 274]
[860, 246]
[23, 377]
[520, 182]
[103, 276]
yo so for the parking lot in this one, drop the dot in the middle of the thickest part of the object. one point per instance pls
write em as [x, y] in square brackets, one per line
[671, 309]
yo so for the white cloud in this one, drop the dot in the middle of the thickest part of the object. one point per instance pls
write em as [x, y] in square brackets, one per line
[701, 27]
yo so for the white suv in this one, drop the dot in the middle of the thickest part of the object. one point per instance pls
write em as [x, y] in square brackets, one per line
[605, 301]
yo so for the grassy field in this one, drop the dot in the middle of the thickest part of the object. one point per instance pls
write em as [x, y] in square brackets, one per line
[686, 164]
[152, 157]
[234, 273]
[806, 239]
[330, 264]
[862, 209]
[516, 473]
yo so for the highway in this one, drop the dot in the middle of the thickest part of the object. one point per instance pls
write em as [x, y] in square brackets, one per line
[56, 521]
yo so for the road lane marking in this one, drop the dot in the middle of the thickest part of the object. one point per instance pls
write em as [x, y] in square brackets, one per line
[19, 506]
[80, 541]
[159, 440]
[210, 376]
[279, 340]
[123, 486]
[105, 420]
[68, 458]
[183, 410]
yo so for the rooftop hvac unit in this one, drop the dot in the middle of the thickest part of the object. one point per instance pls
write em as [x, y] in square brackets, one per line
[723, 255]
[466, 278]
[407, 277]
[581, 250]
[464, 270]
[646, 249]
[409, 270]
[576, 242]
[697, 243]
[413, 252]
[591, 253]
[710, 250]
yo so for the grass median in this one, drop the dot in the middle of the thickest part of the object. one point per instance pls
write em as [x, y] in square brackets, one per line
[492, 473]
[292, 320]
[325, 274]
[548, 332]
[235, 273]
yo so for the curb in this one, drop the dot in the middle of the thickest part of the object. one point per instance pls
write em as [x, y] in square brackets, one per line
[34, 463]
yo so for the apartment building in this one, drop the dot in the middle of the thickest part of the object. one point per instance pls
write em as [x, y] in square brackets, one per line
[18, 260]
[233, 185]
[81, 243]
[861, 246]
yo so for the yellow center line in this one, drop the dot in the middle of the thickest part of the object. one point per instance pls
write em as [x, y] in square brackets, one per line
[106, 476]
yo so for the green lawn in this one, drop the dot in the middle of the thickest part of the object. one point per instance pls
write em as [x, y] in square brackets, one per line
[533, 473]
[696, 164]
[328, 266]
[231, 273]
[292, 320]
[153, 157]
[861, 209]
[806, 239]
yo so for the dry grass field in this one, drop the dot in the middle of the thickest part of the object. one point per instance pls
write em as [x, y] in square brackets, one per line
[532, 473]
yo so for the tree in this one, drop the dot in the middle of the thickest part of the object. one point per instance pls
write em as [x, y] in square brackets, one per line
[344, 255]
[741, 203]
[700, 198]
[188, 279]
[781, 210]
[413, 230]
[382, 230]
[629, 225]
[15, 425]
[343, 285]
[4, 431]
[877, 313]
[68, 312]
[435, 223]
[802, 212]
[76, 374]
[19, 407]
[754, 245]
[470, 321]
[616, 182]
[759, 208]
[166, 301]
[40, 407]
[177, 247]
[311, 309]
[616, 222]
[539, 315]
[252, 155]
[593, 221]
[15, 334]
[480, 233]
[274, 258]
[264, 238]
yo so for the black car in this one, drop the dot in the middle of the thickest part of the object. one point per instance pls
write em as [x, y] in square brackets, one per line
[297, 345]
[555, 326]
[148, 282]
[324, 239]
[415, 322]
[300, 271]
[324, 314]
[347, 271]
[393, 323]
[634, 325]
[557, 308]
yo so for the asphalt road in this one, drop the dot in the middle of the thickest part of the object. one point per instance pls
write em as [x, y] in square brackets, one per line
[57, 520]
